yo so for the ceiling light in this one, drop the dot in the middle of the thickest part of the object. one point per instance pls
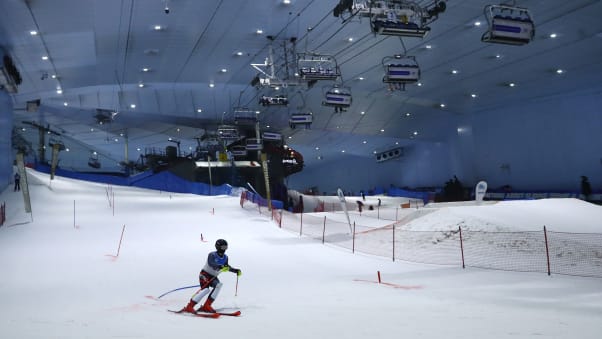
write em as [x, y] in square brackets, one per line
[53, 76]
[133, 106]
[477, 23]
[428, 46]
[259, 31]
[91, 129]
[454, 71]
[146, 69]
[364, 142]
[511, 84]
[211, 85]
[140, 85]
[138, 149]
[342, 151]
[442, 105]
[239, 53]
[286, 2]
[362, 112]
[350, 39]
[559, 71]
[360, 78]
[473, 95]
[45, 57]
[199, 110]
[116, 140]
[553, 35]
[408, 114]
[317, 148]
[33, 32]
[158, 28]
[419, 84]
[498, 56]
[65, 103]
[290, 137]
[59, 91]
[415, 133]
[223, 70]
[382, 130]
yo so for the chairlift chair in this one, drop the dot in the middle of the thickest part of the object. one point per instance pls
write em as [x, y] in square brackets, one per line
[400, 70]
[245, 116]
[508, 25]
[339, 97]
[93, 160]
[254, 144]
[227, 132]
[301, 119]
[317, 67]
[397, 18]
[277, 100]
[238, 151]
[271, 136]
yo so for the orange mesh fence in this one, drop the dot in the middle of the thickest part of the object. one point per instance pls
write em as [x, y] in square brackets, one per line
[511, 251]
[578, 254]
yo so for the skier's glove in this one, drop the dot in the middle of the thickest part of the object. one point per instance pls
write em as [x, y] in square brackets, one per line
[237, 271]
[224, 268]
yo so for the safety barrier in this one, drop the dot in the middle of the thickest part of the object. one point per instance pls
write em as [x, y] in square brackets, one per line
[545, 251]
[2, 213]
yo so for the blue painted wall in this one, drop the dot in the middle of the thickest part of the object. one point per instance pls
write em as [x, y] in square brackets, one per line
[544, 145]
[6, 126]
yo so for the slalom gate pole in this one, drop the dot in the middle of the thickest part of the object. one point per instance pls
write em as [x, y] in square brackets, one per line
[120, 239]
[545, 235]
[378, 273]
[461, 246]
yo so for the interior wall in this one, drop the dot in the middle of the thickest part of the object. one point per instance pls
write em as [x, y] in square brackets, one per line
[6, 126]
[544, 145]
[423, 164]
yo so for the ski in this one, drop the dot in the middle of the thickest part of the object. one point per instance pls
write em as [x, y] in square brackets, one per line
[201, 315]
[228, 314]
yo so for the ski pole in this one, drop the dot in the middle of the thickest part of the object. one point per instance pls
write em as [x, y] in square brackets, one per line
[177, 289]
[236, 291]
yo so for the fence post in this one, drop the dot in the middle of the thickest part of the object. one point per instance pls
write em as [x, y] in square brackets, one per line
[461, 246]
[393, 242]
[545, 235]
[324, 230]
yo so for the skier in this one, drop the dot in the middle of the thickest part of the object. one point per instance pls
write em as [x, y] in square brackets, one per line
[17, 182]
[217, 262]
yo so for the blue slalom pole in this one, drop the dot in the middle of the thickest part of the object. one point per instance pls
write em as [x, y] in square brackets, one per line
[177, 289]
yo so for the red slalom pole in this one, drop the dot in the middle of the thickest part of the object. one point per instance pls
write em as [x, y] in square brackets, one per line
[378, 273]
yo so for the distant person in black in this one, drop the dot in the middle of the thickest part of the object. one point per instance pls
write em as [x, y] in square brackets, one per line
[17, 182]
[586, 188]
